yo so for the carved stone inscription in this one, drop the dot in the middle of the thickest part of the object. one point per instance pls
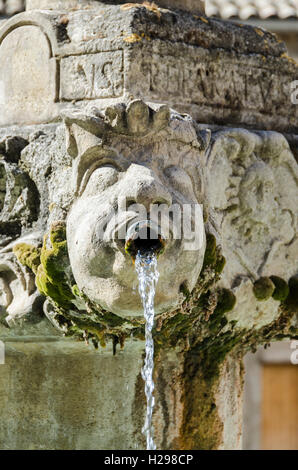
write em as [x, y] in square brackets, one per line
[92, 76]
[220, 83]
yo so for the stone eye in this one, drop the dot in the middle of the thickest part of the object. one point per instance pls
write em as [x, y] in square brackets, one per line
[180, 181]
[99, 178]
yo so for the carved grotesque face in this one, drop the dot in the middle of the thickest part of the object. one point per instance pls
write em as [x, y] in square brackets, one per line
[142, 173]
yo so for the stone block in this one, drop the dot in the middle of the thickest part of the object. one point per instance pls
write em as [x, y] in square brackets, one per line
[219, 72]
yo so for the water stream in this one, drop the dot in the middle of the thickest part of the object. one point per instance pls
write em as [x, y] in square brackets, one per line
[146, 267]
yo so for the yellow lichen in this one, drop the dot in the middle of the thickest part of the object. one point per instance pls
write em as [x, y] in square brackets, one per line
[149, 5]
[204, 20]
[290, 59]
[132, 38]
[51, 278]
[28, 255]
[259, 32]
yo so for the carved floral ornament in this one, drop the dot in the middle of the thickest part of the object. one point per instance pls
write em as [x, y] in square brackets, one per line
[246, 182]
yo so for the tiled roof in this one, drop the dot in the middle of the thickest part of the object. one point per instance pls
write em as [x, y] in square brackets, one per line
[245, 9]
[10, 7]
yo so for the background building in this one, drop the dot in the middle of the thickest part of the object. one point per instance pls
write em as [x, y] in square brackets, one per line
[271, 398]
[278, 16]
[11, 7]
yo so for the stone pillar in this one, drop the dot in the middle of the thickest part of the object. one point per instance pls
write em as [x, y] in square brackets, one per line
[100, 89]
[198, 408]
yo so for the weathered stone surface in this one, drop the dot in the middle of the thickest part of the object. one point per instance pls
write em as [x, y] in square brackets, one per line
[257, 220]
[27, 77]
[99, 81]
[67, 401]
[219, 72]
[255, 216]
[20, 298]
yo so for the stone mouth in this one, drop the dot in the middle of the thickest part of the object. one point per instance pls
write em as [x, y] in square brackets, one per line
[144, 237]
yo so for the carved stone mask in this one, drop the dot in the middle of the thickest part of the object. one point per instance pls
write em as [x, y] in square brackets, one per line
[139, 156]
[142, 155]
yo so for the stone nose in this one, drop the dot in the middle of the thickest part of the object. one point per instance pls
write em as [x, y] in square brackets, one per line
[147, 190]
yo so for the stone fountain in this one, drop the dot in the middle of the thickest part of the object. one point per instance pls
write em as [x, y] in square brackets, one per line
[155, 103]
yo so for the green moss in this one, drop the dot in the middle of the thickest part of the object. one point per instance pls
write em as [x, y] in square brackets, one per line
[28, 255]
[55, 258]
[263, 288]
[202, 314]
[281, 290]
[52, 267]
[293, 284]
[226, 301]
[210, 253]
[220, 264]
[76, 291]
[51, 278]
[201, 427]
[213, 257]
[198, 325]
[215, 350]
[185, 291]
[111, 320]
[292, 299]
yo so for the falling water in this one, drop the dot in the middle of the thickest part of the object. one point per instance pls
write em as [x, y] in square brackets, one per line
[146, 267]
